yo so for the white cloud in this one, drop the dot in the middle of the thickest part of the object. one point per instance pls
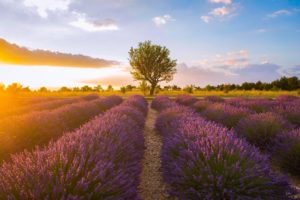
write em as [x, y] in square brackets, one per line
[232, 60]
[261, 30]
[279, 13]
[206, 18]
[220, 1]
[201, 76]
[43, 6]
[89, 25]
[162, 20]
[221, 11]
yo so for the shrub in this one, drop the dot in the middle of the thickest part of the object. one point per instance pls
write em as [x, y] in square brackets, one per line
[284, 98]
[259, 129]
[161, 102]
[38, 128]
[138, 102]
[101, 160]
[186, 100]
[286, 151]
[225, 114]
[201, 105]
[258, 105]
[202, 160]
[45, 104]
[215, 99]
[168, 118]
[290, 111]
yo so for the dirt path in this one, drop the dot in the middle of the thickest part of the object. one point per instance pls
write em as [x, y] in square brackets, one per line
[152, 186]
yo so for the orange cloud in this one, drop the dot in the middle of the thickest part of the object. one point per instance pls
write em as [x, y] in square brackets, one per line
[14, 54]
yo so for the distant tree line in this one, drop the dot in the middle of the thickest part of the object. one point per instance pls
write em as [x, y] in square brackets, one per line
[284, 83]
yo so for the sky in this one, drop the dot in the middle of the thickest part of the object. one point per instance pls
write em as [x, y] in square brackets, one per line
[56, 43]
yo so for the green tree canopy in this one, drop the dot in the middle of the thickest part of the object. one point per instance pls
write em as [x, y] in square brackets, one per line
[151, 63]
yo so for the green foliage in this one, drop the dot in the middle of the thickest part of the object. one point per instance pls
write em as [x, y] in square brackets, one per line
[151, 63]
[189, 89]
[110, 88]
[123, 90]
[98, 88]
[144, 87]
[43, 89]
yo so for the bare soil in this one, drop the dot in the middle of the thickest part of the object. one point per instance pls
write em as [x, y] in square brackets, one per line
[152, 186]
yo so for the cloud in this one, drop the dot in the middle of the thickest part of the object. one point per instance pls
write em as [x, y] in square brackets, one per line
[202, 76]
[222, 11]
[44, 6]
[206, 18]
[292, 71]
[93, 25]
[279, 13]
[221, 1]
[14, 54]
[234, 59]
[162, 20]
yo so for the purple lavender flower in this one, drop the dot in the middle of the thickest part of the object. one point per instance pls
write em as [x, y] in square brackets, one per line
[101, 160]
[38, 128]
[259, 129]
[201, 105]
[286, 98]
[186, 100]
[203, 160]
[290, 111]
[215, 99]
[225, 114]
[286, 151]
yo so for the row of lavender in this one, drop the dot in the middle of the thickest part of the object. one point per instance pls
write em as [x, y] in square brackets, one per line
[101, 160]
[204, 160]
[37, 128]
[45, 104]
[271, 125]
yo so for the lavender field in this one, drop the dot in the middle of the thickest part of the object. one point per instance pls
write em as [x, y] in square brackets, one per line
[93, 147]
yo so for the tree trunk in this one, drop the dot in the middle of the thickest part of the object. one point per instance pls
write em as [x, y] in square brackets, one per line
[152, 89]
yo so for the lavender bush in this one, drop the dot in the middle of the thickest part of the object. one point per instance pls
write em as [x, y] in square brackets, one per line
[258, 105]
[101, 160]
[286, 151]
[259, 129]
[286, 98]
[37, 128]
[203, 160]
[46, 105]
[290, 111]
[161, 102]
[186, 100]
[225, 114]
[201, 105]
[215, 99]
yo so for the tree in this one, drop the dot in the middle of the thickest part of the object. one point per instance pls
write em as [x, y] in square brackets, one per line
[110, 88]
[151, 63]
[64, 89]
[129, 87]
[144, 87]
[98, 88]
[123, 90]
[43, 89]
[2, 87]
[189, 89]
[14, 88]
[86, 88]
